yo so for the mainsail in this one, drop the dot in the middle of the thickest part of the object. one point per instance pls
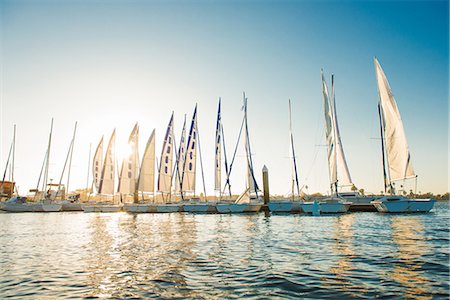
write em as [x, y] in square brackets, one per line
[342, 168]
[180, 158]
[217, 166]
[394, 138]
[190, 162]
[130, 165]
[97, 165]
[337, 164]
[166, 163]
[147, 173]
[107, 179]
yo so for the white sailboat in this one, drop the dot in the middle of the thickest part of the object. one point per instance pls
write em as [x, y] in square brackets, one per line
[107, 180]
[337, 165]
[289, 206]
[165, 175]
[43, 200]
[189, 170]
[397, 165]
[248, 201]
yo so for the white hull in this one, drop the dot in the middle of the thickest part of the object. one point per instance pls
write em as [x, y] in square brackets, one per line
[102, 208]
[32, 207]
[225, 208]
[325, 207]
[200, 208]
[284, 207]
[398, 204]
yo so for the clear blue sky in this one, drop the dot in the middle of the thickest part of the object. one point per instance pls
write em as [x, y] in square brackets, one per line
[110, 64]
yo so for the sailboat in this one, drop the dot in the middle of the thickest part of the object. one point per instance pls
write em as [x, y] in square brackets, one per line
[337, 165]
[189, 170]
[289, 206]
[45, 202]
[397, 165]
[68, 203]
[166, 172]
[7, 187]
[248, 201]
[105, 182]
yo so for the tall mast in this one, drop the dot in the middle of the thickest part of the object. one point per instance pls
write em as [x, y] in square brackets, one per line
[385, 175]
[333, 113]
[248, 149]
[48, 157]
[13, 155]
[70, 159]
[294, 162]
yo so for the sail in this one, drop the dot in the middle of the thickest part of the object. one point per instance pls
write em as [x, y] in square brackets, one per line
[107, 179]
[180, 158]
[217, 166]
[343, 175]
[130, 165]
[188, 178]
[329, 133]
[97, 165]
[294, 162]
[251, 181]
[147, 173]
[166, 163]
[396, 146]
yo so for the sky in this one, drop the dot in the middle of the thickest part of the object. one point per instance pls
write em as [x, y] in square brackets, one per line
[110, 64]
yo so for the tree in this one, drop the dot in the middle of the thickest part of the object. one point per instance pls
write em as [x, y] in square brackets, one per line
[354, 188]
[361, 191]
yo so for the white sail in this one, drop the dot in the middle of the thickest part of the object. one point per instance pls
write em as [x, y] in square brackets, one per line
[343, 175]
[251, 181]
[166, 162]
[108, 173]
[329, 133]
[396, 146]
[180, 158]
[147, 173]
[190, 163]
[97, 165]
[218, 159]
[130, 165]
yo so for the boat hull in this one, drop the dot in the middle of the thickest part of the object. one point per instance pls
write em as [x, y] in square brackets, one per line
[403, 205]
[71, 206]
[102, 208]
[32, 207]
[325, 207]
[168, 208]
[284, 207]
[200, 208]
[225, 208]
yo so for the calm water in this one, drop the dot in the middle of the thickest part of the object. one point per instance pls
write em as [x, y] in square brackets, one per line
[362, 255]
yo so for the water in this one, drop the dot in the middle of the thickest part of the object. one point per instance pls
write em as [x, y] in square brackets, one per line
[119, 255]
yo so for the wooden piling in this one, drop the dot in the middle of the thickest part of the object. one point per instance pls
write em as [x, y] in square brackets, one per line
[265, 173]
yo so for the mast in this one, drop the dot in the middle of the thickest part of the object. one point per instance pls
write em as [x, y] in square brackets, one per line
[13, 156]
[70, 159]
[251, 177]
[217, 160]
[48, 158]
[387, 181]
[294, 163]
[333, 115]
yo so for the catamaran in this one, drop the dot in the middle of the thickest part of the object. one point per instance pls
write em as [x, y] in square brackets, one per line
[104, 178]
[248, 201]
[397, 165]
[337, 165]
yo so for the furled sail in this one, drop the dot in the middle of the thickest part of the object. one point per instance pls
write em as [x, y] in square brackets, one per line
[166, 163]
[343, 174]
[97, 165]
[107, 179]
[130, 165]
[147, 173]
[217, 166]
[396, 147]
[180, 158]
[188, 178]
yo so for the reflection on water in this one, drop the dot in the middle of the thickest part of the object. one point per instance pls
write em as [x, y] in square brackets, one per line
[408, 234]
[186, 256]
